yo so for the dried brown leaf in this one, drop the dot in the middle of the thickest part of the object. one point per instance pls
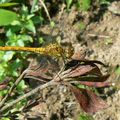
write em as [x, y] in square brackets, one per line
[93, 78]
[88, 101]
[3, 86]
[80, 70]
[43, 69]
[95, 84]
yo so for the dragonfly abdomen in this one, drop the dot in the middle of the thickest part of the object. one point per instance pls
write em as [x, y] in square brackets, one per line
[16, 48]
[52, 50]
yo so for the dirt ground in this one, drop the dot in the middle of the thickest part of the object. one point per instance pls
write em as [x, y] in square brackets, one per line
[100, 39]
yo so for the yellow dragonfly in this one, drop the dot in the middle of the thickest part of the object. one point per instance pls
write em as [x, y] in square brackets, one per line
[53, 49]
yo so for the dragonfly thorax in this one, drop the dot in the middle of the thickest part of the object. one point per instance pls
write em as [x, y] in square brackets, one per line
[57, 50]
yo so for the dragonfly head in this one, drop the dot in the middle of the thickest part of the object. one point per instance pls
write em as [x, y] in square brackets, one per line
[68, 50]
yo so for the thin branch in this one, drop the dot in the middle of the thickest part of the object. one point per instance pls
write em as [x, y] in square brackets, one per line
[44, 6]
[54, 81]
[99, 36]
[11, 89]
[34, 91]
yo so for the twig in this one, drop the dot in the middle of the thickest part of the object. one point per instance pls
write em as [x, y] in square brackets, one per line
[34, 91]
[99, 36]
[54, 81]
[11, 89]
[45, 9]
[61, 11]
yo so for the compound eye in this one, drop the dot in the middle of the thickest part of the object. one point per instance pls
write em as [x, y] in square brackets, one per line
[69, 52]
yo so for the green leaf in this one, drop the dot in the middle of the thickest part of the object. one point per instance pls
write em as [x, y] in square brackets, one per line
[69, 2]
[16, 22]
[80, 86]
[41, 40]
[16, 64]
[117, 71]
[3, 92]
[37, 19]
[30, 26]
[1, 54]
[7, 17]
[4, 1]
[52, 24]
[20, 104]
[106, 2]
[1, 43]
[2, 70]
[25, 38]
[8, 4]
[35, 2]
[12, 69]
[8, 55]
[81, 25]
[85, 117]
[5, 118]
[83, 4]
[20, 43]
[21, 86]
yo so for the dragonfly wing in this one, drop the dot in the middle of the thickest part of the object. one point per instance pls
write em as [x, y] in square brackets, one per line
[43, 69]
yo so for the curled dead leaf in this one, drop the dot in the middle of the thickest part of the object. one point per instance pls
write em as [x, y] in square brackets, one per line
[88, 101]
[42, 69]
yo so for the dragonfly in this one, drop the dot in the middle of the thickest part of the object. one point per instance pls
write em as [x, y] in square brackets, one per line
[75, 71]
[53, 49]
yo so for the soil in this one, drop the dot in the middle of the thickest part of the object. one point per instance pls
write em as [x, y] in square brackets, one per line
[100, 40]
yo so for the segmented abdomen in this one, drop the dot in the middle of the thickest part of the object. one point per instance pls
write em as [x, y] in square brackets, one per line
[53, 50]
